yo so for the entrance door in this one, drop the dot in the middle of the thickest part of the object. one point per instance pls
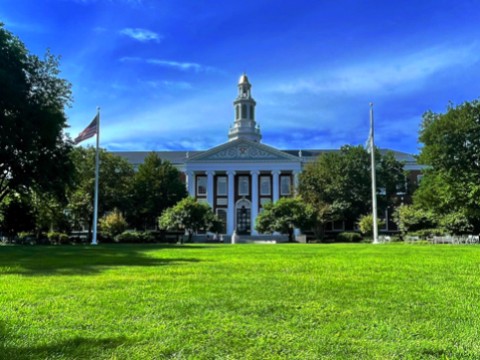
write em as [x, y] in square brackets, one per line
[243, 214]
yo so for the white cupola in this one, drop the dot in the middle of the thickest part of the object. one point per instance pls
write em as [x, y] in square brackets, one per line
[244, 126]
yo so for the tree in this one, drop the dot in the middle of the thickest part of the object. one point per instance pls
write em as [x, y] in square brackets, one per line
[115, 184]
[156, 187]
[34, 152]
[283, 216]
[451, 150]
[190, 216]
[338, 184]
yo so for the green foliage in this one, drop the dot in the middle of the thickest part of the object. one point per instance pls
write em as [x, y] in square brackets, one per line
[115, 185]
[450, 149]
[365, 223]
[113, 224]
[18, 215]
[338, 184]
[456, 223]
[33, 149]
[156, 187]
[410, 218]
[348, 237]
[57, 238]
[283, 216]
[133, 236]
[190, 216]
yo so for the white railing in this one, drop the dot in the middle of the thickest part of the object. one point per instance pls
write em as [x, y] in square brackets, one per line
[456, 240]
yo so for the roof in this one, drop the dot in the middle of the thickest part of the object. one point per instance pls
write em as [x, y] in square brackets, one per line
[180, 157]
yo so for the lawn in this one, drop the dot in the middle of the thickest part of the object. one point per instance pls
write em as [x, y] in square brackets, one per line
[292, 301]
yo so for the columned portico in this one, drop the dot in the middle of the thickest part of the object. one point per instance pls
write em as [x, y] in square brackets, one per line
[239, 177]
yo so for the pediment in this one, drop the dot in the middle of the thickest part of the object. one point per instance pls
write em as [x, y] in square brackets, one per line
[243, 150]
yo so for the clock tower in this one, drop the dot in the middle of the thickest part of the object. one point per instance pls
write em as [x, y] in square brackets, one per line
[244, 125]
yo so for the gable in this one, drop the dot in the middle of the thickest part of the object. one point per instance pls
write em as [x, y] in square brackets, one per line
[243, 150]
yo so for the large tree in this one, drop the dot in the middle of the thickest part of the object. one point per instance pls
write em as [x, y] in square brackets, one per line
[33, 148]
[284, 216]
[190, 216]
[156, 187]
[115, 184]
[451, 150]
[338, 184]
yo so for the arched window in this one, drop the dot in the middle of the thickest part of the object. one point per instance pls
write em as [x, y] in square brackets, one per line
[244, 111]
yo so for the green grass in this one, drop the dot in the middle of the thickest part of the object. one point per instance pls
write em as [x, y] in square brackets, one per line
[294, 301]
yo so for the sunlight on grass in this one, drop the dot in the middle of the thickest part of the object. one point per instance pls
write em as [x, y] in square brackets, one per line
[240, 302]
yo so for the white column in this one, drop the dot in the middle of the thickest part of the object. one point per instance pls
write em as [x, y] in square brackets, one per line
[276, 187]
[190, 182]
[210, 187]
[254, 214]
[231, 203]
[295, 182]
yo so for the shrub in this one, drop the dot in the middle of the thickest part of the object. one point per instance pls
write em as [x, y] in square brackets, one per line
[113, 224]
[456, 223]
[365, 223]
[132, 236]
[57, 238]
[409, 218]
[26, 238]
[348, 236]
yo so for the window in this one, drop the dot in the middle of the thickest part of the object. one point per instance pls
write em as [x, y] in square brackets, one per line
[221, 186]
[252, 112]
[222, 216]
[244, 111]
[264, 201]
[265, 186]
[237, 112]
[243, 186]
[201, 185]
[285, 185]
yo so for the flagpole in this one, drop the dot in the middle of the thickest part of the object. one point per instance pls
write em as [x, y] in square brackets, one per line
[95, 204]
[374, 182]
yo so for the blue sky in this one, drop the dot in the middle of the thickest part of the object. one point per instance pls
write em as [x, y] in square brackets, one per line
[164, 72]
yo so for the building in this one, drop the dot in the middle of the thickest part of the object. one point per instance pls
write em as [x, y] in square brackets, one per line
[239, 177]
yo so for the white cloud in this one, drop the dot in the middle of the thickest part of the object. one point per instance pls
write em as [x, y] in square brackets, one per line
[387, 73]
[182, 66]
[142, 35]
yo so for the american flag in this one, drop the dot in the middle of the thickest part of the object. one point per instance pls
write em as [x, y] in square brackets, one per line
[89, 131]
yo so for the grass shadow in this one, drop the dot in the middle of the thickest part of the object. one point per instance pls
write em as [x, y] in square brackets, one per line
[81, 260]
[75, 348]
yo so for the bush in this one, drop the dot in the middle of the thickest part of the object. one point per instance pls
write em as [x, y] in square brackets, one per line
[57, 238]
[132, 236]
[456, 224]
[26, 238]
[409, 218]
[348, 236]
[365, 223]
[113, 224]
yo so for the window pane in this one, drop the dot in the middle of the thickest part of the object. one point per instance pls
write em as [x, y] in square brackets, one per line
[201, 185]
[285, 185]
[265, 188]
[222, 185]
[243, 186]
[222, 216]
